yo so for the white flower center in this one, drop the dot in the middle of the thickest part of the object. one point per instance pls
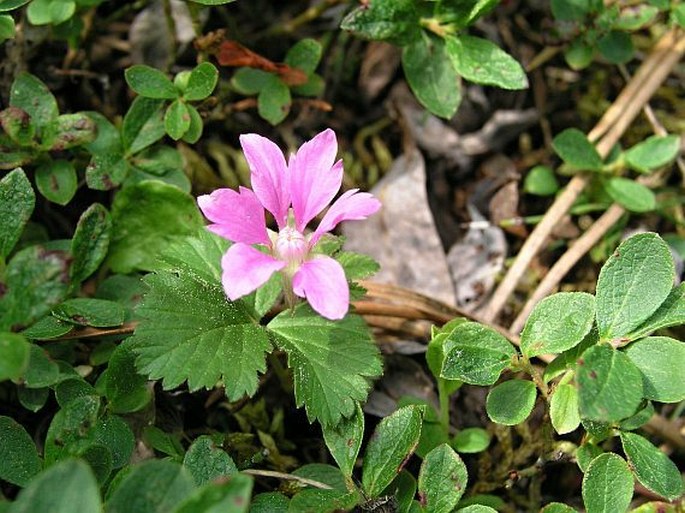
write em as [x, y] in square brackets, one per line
[291, 246]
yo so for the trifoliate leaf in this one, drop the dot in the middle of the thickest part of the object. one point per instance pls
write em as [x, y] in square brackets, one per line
[332, 361]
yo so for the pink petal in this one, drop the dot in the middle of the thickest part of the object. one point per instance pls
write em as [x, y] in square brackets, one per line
[314, 177]
[351, 206]
[322, 281]
[238, 217]
[245, 269]
[269, 176]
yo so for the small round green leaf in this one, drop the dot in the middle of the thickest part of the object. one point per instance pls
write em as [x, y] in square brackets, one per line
[511, 402]
[652, 153]
[33, 96]
[125, 388]
[442, 479]
[579, 53]
[633, 283]
[152, 486]
[629, 194]
[652, 467]
[558, 323]
[483, 62]
[616, 47]
[143, 124]
[273, 102]
[564, 10]
[304, 55]
[577, 151]
[177, 119]
[475, 354]
[150, 82]
[201, 82]
[91, 242]
[57, 181]
[431, 75]
[196, 126]
[661, 361]
[19, 460]
[7, 27]
[586, 453]
[394, 440]
[15, 351]
[563, 409]
[557, 507]
[249, 80]
[206, 462]
[99, 313]
[113, 432]
[344, 440]
[471, 440]
[609, 385]
[67, 487]
[607, 485]
[541, 181]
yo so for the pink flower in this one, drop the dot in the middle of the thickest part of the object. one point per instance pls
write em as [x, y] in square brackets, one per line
[295, 193]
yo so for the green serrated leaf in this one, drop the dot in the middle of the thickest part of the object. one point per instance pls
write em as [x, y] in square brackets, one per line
[273, 102]
[511, 402]
[558, 323]
[475, 354]
[471, 440]
[91, 242]
[304, 55]
[577, 151]
[67, 487]
[396, 22]
[630, 194]
[147, 218]
[201, 82]
[36, 279]
[652, 153]
[15, 351]
[442, 479]
[393, 441]
[344, 440]
[57, 181]
[616, 47]
[609, 385]
[17, 201]
[150, 82]
[332, 361]
[143, 124]
[632, 284]
[431, 75]
[19, 460]
[607, 485]
[98, 313]
[356, 265]
[32, 96]
[152, 486]
[563, 409]
[206, 462]
[661, 361]
[190, 331]
[483, 62]
[231, 496]
[541, 181]
[652, 467]
[177, 119]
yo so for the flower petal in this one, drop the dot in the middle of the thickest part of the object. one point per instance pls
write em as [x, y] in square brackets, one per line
[238, 217]
[245, 269]
[269, 176]
[314, 177]
[351, 206]
[322, 281]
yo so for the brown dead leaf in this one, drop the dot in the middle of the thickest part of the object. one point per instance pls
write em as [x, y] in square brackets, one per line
[232, 53]
[378, 68]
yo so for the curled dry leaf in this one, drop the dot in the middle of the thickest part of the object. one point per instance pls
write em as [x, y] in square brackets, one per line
[232, 53]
